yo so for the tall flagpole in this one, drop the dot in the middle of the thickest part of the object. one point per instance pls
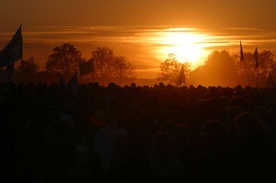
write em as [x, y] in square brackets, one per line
[257, 78]
[247, 73]
[93, 76]
[256, 55]
[23, 70]
[243, 59]
[3, 75]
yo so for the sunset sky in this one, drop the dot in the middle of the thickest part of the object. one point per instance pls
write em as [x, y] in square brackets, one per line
[145, 31]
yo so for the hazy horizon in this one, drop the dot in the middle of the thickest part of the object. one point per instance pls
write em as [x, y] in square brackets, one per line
[143, 31]
[144, 46]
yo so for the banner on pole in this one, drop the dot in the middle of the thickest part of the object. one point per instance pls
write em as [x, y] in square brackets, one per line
[13, 51]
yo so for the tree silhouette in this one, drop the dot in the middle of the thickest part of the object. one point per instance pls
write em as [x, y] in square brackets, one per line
[271, 79]
[267, 65]
[247, 68]
[219, 69]
[170, 69]
[122, 68]
[64, 60]
[28, 69]
[103, 60]
[108, 65]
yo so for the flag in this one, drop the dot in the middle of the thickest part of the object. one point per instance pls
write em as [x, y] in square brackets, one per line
[256, 55]
[181, 78]
[241, 53]
[13, 50]
[86, 67]
[73, 85]
[9, 72]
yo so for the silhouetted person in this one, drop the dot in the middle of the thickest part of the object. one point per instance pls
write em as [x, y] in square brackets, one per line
[164, 163]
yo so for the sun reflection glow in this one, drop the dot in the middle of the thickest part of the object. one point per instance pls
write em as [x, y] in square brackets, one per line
[187, 46]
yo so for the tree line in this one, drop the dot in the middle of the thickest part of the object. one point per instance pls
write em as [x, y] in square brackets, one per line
[65, 61]
[220, 68]
[224, 69]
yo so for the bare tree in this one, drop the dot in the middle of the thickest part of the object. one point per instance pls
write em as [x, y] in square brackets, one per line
[170, 70]
[64, 60]
[122, 67]
[248, 67]
[28, 69]
[103, 59]
[109, 65]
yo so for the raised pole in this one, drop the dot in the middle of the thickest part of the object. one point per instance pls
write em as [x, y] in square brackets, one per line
[23, 70]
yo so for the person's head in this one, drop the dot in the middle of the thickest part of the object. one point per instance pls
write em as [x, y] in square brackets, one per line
[130, 123]
[247, 122]
[163, 145]
[35, 133]
[167, 126]
[232, 113]
[240, 102]
[100, 102]
[114, 113]
[213, 92]
[182, 133]
[215, 128]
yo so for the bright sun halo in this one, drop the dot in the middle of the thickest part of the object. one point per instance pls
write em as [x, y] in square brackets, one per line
[186, 46]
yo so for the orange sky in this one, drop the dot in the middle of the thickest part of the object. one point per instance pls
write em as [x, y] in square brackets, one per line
[137, 28]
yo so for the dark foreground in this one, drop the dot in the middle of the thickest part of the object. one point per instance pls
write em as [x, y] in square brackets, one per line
[137, 134]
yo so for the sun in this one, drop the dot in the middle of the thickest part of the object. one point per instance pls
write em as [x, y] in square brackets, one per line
[186, 46]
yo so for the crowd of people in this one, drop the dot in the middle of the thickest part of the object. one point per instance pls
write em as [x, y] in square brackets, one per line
[133, 133]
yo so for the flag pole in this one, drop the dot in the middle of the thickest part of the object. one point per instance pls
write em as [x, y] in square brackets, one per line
[246, 73]
[242, 58]
[3, 75]
[93, 76]
[249, 82]
[257, 78]
[256, 55]
[23, 70]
